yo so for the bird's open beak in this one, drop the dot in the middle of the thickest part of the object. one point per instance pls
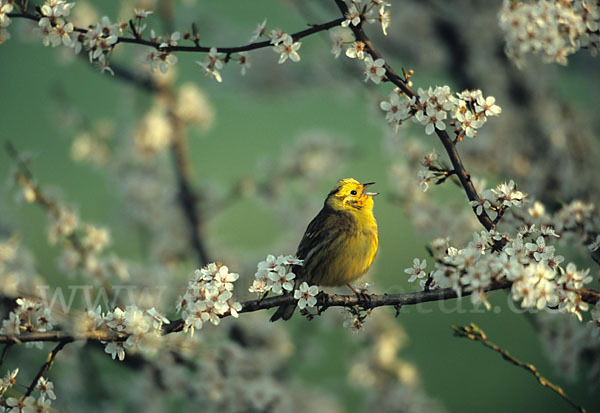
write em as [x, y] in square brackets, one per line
[368, 193]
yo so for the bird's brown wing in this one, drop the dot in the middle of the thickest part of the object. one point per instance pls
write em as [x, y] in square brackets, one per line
[311, 239]
[313, 236]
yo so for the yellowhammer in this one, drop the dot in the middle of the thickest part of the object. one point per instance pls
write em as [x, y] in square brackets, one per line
[340, 243]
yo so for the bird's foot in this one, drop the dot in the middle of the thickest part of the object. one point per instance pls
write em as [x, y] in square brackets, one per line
[322, 298]
[361, 294]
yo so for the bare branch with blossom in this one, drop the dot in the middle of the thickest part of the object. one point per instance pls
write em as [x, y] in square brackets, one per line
[449, 145]
[314, 28]
[475, 333]
[324, 301]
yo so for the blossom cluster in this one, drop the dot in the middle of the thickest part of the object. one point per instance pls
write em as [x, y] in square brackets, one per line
[275, 274]
[98, 40]
[434, 107]
[18, 274]
[566, 342]
[283, 43]
[527, 260]
[355, 317]
[208, 297]
[84, 243]
[160, 59]
[133, 328]
[28, 316]
[367, 11]
[53, 27]
[555, 29]
[410, 190]
[5, 7]
[361, 12]
[390, 380]
[495, 201]
[577, 219]
[27, 404]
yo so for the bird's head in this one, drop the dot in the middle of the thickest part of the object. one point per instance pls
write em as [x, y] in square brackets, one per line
[350, 195]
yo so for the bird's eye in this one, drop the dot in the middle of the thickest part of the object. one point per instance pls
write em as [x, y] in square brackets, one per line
[353, 192]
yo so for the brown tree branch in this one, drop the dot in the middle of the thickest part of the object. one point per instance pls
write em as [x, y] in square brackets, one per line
[141, 81]
[474, 333]
[187, 196]
[314, 28]
[324, 301]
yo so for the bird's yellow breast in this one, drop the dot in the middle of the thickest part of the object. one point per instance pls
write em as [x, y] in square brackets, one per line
[351, 253]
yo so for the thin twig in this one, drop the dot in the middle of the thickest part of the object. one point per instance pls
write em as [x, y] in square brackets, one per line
[5, 353]
[474, 333]
[187, 196]
[45, 367]
[24, 176]
[144, 82]
[449, 146]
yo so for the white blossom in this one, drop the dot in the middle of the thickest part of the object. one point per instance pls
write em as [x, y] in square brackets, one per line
[573, 278]
[275, 273]
[5, 9]
[171, 40]
[278, 36]
[259, 31]
[352, 16]
[288, 49]
[244, 62]
[306, 295]
[115, 349]
[46, 388]
[212, 65]
[417, 270]
[507, 194]
[356, 50]
[384, 19]
[432, 120]
[337, 41]
[595, 245]
[208, 297]
[374, 69]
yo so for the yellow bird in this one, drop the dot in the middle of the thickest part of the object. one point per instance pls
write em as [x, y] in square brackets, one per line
[340, 243]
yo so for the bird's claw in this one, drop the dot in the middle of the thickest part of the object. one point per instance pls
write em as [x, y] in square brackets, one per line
[362, 296]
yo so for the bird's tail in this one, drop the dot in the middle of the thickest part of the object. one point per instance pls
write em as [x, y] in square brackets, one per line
[284, 312]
